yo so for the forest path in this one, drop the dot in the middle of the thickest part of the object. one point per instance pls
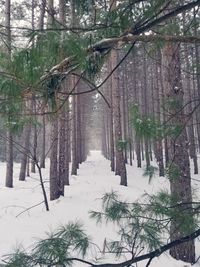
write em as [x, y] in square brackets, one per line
[95, 174]
[84, 194]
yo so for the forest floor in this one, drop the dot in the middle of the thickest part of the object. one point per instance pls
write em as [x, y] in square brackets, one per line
[21, 227]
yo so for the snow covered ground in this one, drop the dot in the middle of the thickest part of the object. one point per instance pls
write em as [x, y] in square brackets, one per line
[93, 180]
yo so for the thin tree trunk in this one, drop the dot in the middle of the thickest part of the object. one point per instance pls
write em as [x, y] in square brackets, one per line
[9, 142]
[74, 137]
[34, 149]
[112, 147]
[51, 12]
[67, 144]
[74, 106]
[79, 130]
[123, 110]
[136, 102]
[28, 167]
[62, 150]
[159, 144]
[120, 168]
[9, 160]
[54, 185]
[42, 13]
[145, 109]
[25, 154]
[43, 152]
[188, 93]
[166, 152]
[41, 27]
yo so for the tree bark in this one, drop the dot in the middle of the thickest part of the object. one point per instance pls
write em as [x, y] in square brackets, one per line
[9, 160]
[190, 126]
[25, 154]
[120, 168]
[62, 150]
[179, 165]
[74, 133]
[158, 100]
[54, 185]
[43, 152]
[112, 147]
[9, 142]
[42, 13]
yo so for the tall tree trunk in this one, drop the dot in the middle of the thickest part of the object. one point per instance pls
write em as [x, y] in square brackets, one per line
[79, 129]
[67, 144]
[120, 168]
[136, 101]
[124, 110]
[9, 142]
[158, 100]
[166, 151]
[62, 150]
[112, 147]
[54, 176]
[179, 165]
[41, 27]
[74, 133]
[197, 63]
[35, 141]
[62, 115]
[145, 109]
[74, 106]
[188, 93]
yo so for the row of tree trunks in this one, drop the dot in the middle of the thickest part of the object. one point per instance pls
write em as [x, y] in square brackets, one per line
[165, 98]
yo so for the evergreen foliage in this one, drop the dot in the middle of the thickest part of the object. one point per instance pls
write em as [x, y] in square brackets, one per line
[144, 126]
[67, 241]
[150, 171]
[139, 224]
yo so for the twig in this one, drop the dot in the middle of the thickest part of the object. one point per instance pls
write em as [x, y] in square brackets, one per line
[29, 209]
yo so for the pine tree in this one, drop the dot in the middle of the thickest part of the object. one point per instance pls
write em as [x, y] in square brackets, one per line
[179, 165]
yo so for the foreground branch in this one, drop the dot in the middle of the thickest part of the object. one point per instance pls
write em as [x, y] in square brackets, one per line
[130, 38]
[148, 256]
[154, 253]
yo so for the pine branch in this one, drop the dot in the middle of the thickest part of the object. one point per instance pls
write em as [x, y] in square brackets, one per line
[154, 253]
[165, 17]
[133, 34]
[60, 67]
[109, 43]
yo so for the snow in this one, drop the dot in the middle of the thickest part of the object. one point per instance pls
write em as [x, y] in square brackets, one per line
[93, 180]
